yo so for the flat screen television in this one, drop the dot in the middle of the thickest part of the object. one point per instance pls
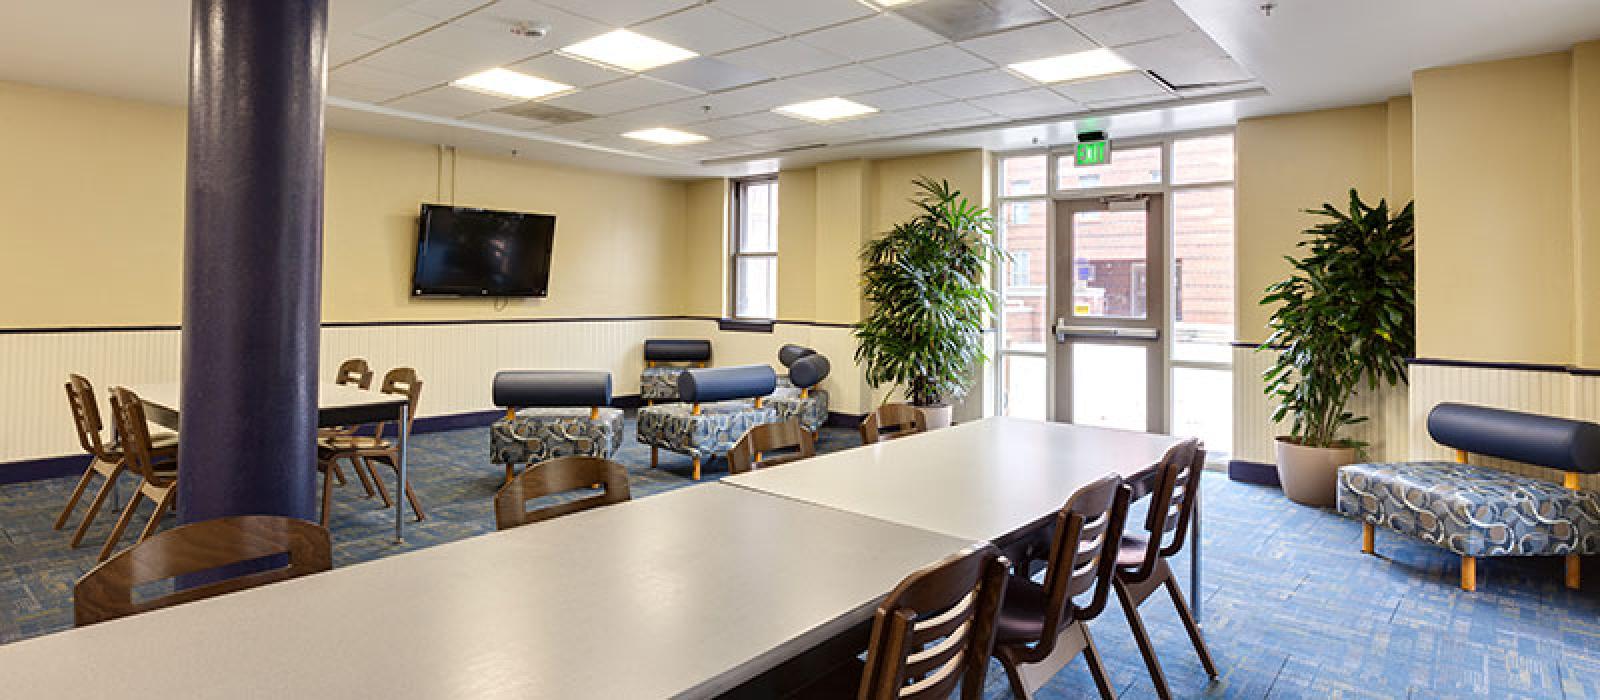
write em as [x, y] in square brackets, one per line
[464, 252]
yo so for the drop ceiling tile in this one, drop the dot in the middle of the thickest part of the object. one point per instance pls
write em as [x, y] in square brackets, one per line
[361, 93]
[561, 69]
[622, 95]
[1119, 87]
[396, 25]
[448, 102]
[620, 13]
[477, 45]
[508, 121]
[784, 57]
[904, 97]
[1027, 43]
[958, 20]
[987, 82]
[707, 30]
[745, 100]
[564, 28]
[571, 132]
[1034, 102]
[344, 48]
[873, 37]
[707, 74]
[844, 80]
[676, 115]
[926, 64]
[1189, 58]
[795, 16]
[942, 113]
[766, 120]
[723, 128]
[1141, 21]
[1147, 101]
[445, 9]
[368, 76]
[1069, 8]
[432, 67]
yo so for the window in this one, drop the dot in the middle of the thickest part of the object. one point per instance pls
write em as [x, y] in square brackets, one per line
[1022, 269]
[1138, 166]
[755, 248]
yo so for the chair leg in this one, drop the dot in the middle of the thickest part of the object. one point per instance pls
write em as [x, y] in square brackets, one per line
[366, 480]
[338, 473]
[383, 492]
[94, 508]
[1142, 638]
[327, 493]
[1369, 538]
[122, 524]
[416, 505]
[77, 493]
[1574, 572]
[1189, 625]
[1097, 669]
[162, 504]
[1469, 574]
[1019, 685]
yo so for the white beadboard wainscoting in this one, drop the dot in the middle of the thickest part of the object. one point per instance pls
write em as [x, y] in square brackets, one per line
[1254, 434]
[456, 362]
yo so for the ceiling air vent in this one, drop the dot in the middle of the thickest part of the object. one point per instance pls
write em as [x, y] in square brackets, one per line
[546, 114]
[1180, 87]
[958, 20]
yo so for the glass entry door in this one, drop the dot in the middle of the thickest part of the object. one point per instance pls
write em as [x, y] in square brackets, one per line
[1110, 300]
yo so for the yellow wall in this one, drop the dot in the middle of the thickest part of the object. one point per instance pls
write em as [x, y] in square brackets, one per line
[797, 244]
[1586, 198]
[705, 278]
[109, 177]
[1494, 231]
[1289, 163]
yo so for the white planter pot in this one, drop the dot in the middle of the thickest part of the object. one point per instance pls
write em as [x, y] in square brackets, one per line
[937, 416]
[1310, 475]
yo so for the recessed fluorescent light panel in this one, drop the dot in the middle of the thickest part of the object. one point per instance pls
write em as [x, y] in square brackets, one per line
[826, 110]
[663, 135]
[511, 84]
[628, 51]
[1095, 63]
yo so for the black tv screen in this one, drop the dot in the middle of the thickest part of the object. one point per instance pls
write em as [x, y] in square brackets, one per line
[482, 253]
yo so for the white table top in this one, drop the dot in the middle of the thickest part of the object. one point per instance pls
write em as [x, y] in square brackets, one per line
[682, 594]
[977, 481]
[329, 396]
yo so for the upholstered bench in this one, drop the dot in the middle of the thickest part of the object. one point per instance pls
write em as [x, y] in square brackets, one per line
[719, 406]
[664, 360]
[797, 395]
[553, 414]
[1477, 511]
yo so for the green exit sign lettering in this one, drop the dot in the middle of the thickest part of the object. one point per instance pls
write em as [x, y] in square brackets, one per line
[1092, 153]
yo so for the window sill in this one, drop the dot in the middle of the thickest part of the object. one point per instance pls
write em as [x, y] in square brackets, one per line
[744, 325]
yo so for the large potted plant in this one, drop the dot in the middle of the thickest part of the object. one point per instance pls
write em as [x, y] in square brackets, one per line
[1346, 318]
[924, 282]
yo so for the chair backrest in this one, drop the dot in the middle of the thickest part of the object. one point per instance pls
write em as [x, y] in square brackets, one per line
[937, 628]
[133, 434]
[750, 452]
[903, 419]
[1171, 505]
[85, 415]
[555, 476]
[1083, 556]
[107, 591]
[354, 372]
[402, 381]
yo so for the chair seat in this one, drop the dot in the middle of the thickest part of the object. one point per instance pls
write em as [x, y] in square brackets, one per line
[346, 443]
[1022, 613]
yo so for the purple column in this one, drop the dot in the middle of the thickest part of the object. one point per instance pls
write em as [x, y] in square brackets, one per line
[252, 261]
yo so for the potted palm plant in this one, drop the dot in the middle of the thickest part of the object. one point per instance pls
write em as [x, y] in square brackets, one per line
[924, 281]
[1346, 318]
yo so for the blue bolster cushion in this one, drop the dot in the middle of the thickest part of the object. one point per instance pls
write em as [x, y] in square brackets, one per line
[1547, 441]
[677, 350]
[808, 371]
[523, 388]
[791, 352]
[724, 383]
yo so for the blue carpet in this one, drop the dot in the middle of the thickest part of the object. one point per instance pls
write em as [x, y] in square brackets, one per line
[1292, 609]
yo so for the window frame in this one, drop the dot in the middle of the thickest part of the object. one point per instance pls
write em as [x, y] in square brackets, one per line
[736, 197]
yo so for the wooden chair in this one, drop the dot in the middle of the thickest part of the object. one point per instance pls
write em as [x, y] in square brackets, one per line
[750, 452]
[555, 476]
[157, 479]
[354, 372]
[107, 591]
[1042, 628]
[1142, 559]
[363, 450]
[105, 460]
[900, 418]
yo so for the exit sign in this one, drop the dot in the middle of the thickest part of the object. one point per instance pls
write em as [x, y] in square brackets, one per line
[1092, 153]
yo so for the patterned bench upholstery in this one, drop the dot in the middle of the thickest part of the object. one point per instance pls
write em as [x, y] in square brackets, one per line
[1477, 511]
[658, 381]
[553, 414]
[1472, 511]
[720, 406]
[811, 409]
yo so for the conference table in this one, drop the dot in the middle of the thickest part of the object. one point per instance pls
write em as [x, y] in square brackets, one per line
[337, 405]
[690, 593]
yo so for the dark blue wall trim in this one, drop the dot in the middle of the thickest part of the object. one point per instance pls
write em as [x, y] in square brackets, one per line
[443, 322]
[42, 468]
[1253, 472]
[1477, 364]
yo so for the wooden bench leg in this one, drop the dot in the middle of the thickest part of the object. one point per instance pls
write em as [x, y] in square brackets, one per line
[696, 468]
[1469, 574]
[655, 457]
[1369, 538]
[1574, 574]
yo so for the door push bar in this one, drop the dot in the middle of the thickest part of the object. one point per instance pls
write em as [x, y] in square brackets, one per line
[1064, 331]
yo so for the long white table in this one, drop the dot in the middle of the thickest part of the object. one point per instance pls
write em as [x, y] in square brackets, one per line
[685, 594]
[336, 405]
[984, 480]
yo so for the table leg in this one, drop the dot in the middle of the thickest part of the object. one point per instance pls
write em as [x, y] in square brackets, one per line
[400, 495]
[1194, 557]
